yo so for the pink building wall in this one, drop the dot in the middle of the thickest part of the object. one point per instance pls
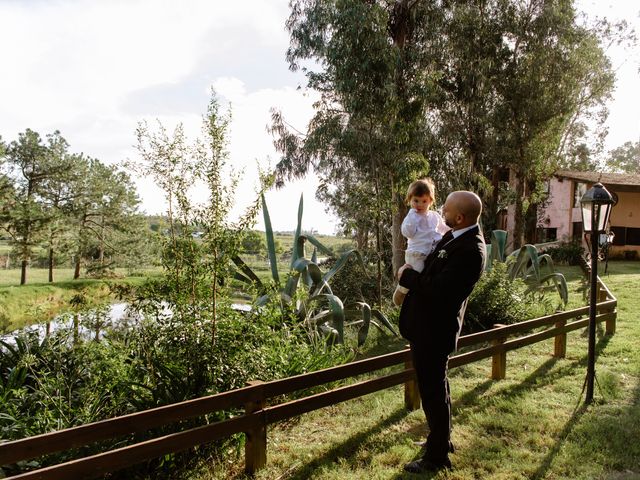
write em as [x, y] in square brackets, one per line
[559, 212]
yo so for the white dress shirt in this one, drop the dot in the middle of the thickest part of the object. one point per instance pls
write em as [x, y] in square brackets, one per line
[423, 230]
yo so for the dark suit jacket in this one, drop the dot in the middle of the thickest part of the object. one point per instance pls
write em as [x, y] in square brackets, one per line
[432, 312]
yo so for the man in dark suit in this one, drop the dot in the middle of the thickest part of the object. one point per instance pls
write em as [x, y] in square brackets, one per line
[431, 318]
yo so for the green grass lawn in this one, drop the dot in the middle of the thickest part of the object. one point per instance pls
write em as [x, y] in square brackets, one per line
[532, 425]
[34, 276]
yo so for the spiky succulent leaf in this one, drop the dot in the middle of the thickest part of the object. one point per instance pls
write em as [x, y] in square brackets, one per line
[246, 274]
[363, 331]
[385, 321]
[339, 264]
[496, 250]
[318, 244]
[271, 243]
[522, 260]
[336, 308]
[298, 250]
[560, 283]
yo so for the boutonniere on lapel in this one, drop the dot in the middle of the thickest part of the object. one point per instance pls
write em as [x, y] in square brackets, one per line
[442, 254]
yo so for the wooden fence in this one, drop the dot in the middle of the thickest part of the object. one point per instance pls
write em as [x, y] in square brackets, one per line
[259, 413]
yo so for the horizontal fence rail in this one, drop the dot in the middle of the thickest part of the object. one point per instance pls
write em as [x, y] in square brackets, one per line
[258, 414]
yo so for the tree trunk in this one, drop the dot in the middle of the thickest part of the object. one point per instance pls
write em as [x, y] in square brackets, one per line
[491, 216]
[378, 245]
[362, 238]
[50, 265]
[518, 226]
[531, 216]
[101, 247]
[23, 272]
[398, 243]
[76, 272]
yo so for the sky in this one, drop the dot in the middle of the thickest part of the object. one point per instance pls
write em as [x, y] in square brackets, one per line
[93, 69]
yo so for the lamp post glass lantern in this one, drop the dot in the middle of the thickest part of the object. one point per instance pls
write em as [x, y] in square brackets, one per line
[596, 208]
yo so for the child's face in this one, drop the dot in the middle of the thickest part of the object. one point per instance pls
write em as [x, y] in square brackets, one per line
[421, 204]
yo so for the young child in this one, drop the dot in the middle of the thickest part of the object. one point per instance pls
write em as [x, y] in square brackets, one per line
[422, 227]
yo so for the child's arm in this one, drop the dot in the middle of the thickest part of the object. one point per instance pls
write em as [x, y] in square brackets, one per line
[410, 224]
[441, 227]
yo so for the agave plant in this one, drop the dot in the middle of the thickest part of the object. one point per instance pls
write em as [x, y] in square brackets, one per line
[307, 289]
[537, 270]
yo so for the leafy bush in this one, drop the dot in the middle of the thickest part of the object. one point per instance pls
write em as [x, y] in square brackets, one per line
[497, 298]
[567, 253]
[51, 383]
[536, 270]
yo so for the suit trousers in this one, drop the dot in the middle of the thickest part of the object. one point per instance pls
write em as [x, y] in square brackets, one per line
[431, 371]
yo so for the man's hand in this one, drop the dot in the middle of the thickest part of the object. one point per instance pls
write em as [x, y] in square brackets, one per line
[402, 269]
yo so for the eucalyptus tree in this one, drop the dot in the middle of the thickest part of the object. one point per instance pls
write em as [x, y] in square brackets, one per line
[625, 158]
[554, 72]
[372, 67]
[580, 156]
[470, 56]
[31, 163]
[7, 193]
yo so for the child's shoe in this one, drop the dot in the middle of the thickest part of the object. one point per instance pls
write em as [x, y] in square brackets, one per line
[399, 294]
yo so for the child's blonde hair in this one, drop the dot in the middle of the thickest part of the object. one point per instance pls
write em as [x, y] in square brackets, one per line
[423, 186]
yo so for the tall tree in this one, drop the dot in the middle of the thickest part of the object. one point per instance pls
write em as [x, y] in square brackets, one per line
[31, 163]
[473, 86]
[57, 196]
[104, 202]
[370, 119]
[554, 73]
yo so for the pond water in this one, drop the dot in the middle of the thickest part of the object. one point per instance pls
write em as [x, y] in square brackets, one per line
[92, 324]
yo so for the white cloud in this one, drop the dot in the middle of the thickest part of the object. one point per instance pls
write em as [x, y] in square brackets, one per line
[93, 69]
[623, 122]
[251, 147]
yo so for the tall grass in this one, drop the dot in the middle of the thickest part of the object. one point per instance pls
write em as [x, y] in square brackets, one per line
[532, 425]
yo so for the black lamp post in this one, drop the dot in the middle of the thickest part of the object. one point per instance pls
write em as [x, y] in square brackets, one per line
[596, 208]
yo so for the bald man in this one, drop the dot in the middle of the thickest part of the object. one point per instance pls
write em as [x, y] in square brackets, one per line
[431, 318]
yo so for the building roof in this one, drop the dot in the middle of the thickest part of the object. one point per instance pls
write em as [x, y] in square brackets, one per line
[614, 179]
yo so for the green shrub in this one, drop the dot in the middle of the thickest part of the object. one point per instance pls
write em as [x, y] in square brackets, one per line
[567, 253]
[498, 299]
[351, 283]
[51, 383]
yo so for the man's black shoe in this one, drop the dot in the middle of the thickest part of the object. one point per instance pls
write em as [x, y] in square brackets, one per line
[423, 466]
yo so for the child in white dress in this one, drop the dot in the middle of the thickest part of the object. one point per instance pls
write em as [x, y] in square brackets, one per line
[422, 227]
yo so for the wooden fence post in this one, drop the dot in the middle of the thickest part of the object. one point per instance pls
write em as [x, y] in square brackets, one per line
[560, 341]
[255, 447]
[411, 390]
[499, 359]
[610, 324]
[602, 293]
